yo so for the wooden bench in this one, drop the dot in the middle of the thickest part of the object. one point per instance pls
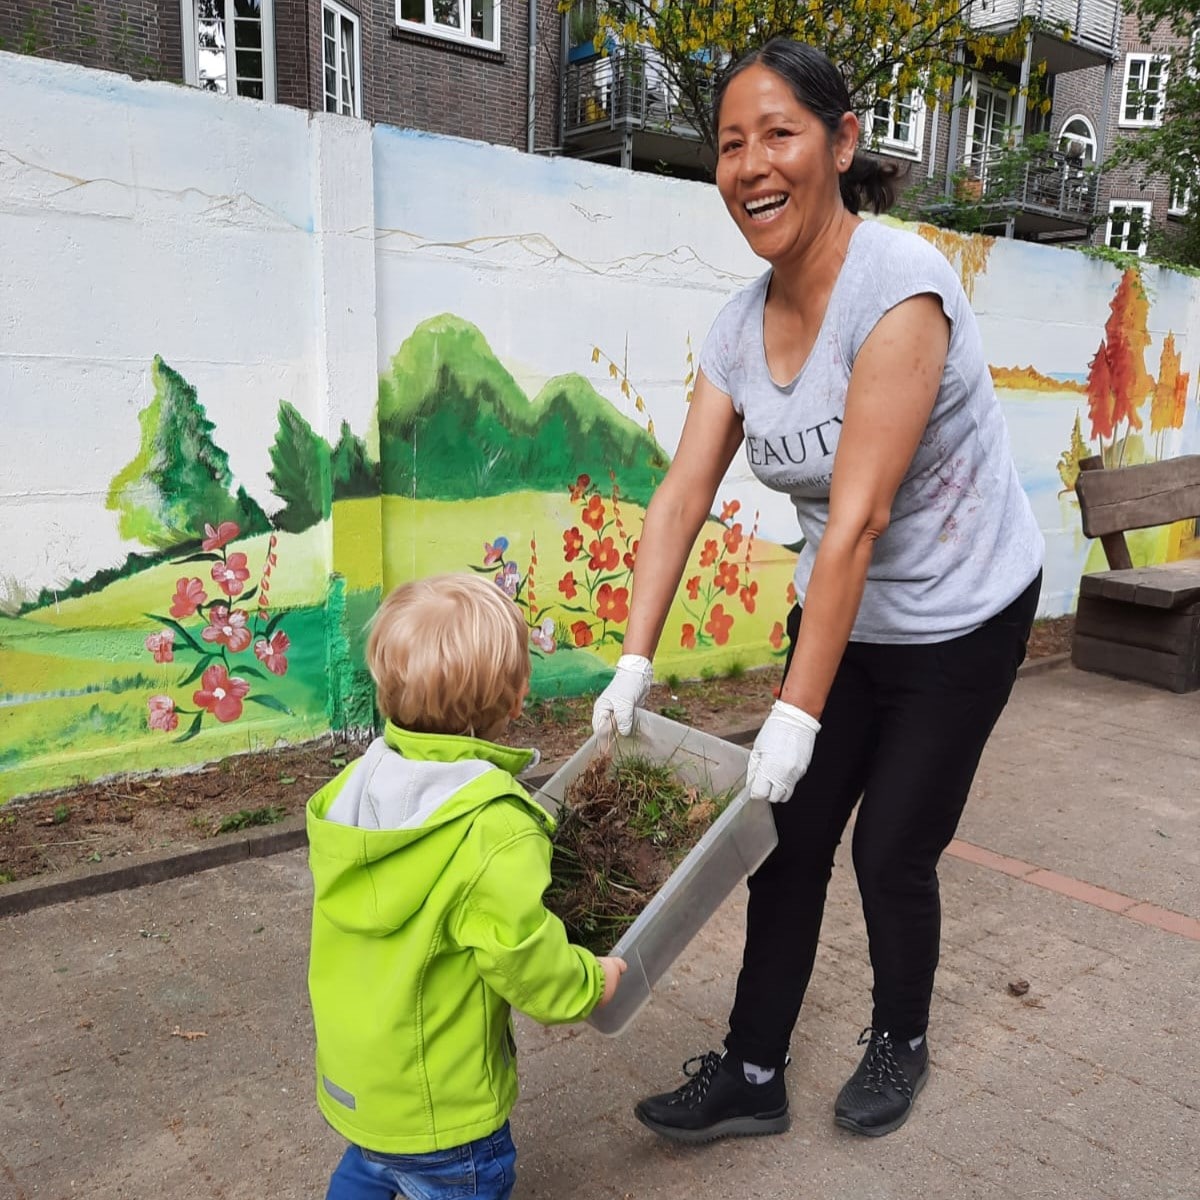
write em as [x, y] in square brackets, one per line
[1139, 622]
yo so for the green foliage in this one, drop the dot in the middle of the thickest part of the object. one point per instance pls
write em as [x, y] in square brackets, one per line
[61, 814]
[300, 472]
[271, 814]
[352, 471]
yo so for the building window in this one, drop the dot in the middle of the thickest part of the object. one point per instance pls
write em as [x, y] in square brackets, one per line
[340, 59]
[229, 46]
[990, 131]
[1180, 202]
[1145, 90]
[461, 20]
[897, 123]
[1128, 225]
[1078, 135]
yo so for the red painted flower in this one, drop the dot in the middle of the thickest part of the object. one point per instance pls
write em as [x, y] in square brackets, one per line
[272, 653]
[162, 713]
[216, 539]
[568, 585]
[749, 596]
[776, 635]
[708, 555]
[220, 695]
[162, 646]
[581, 485]
[733, 538]
[227, 628]
[730, 509]
[593, 515]
[572, 543]
[630, 557]
[612, 604]
[693, 587]
[727, 578]
[231, 575]
[189, 595]
[687, 637]
[581, 631]
[791, 593]
[493, 552]
[719, 624]
[604, 555]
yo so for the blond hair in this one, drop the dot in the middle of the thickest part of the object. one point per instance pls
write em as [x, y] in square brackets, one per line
[449, 654]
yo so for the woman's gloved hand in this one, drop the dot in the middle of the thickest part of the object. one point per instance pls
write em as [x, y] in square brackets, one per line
[782, 752]
[614, 707]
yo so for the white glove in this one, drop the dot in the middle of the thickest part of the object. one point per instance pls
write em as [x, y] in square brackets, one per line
[628, 689]
[782, 752]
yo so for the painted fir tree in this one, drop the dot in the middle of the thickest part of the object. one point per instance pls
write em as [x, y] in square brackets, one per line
[299, 472]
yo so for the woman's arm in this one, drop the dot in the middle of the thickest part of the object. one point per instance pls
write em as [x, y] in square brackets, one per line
[893, 386]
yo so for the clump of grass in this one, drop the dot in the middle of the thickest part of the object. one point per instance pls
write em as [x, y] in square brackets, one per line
[736, 670]
[60, 815]
[270, 814]
[7, 877]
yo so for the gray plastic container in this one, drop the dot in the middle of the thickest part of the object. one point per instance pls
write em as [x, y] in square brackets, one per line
[736, 843]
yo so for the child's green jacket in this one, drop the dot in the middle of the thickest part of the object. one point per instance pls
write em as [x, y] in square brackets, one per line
[429, 862]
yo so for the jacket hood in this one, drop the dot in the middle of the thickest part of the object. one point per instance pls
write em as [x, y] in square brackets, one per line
[383, 831]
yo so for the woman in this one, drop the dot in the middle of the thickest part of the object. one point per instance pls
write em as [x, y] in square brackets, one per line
[853, 370]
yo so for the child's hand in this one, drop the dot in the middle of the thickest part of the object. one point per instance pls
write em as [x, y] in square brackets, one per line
[613, 969]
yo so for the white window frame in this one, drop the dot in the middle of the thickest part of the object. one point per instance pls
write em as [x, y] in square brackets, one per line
[1180, 202]
[342, 14]
[1143, 61]
[448, 32]
[191, 66]
[1129, 206]
[1089, 140]
[1013, 135]
[912, 147]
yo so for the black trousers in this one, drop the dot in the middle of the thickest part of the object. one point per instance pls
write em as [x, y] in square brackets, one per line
[903, 728]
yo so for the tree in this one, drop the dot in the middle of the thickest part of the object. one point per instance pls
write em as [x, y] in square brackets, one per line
[299, 472]
[179, 480]
[1100, 396]
[1128, 338]
[1069, 459]
[884, 47]
[353, 473]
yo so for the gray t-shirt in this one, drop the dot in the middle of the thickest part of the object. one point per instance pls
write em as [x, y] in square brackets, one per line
[963, 542]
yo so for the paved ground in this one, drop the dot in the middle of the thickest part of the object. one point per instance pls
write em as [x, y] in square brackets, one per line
[1084, 1088]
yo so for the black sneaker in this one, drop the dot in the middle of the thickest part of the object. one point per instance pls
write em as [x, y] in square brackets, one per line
[878, 1097]
[717, 1101]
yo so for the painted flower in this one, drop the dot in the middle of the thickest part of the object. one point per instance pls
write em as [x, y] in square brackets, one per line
[509, 580]
[544, 638]
[162, 646]
[217, 539]
[581, 485]
[693, 587]
[791, 593]
[687, 637]
[189, 595]
[630, 556]
[572, 543]
[581, 631]
[593, 515]
[776, 635]
[612, 604]
[231, 575]
[272, 652]
[604, 555]
[162, 713]
[727, 578]
[493, 552]
[719, 624]
[750, 596]
[227, 628]
[730, 509]
[220, 695]
[568, 585]
[708, 555]
[733, 537]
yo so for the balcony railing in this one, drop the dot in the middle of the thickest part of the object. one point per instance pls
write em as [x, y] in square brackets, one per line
[1050, 183]
[1094, 23]
[625, 89]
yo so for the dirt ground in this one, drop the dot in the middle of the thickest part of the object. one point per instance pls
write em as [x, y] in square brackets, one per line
[127, 815]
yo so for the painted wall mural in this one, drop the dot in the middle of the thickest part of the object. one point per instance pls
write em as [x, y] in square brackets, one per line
[253, 380]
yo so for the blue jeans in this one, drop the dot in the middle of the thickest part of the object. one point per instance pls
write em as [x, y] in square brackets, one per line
[483, 1169]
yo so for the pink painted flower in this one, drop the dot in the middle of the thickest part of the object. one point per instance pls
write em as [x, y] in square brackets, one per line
[273, 653]
[509, 579]
[231, 575]
[220, 695]
[162, 713]
[189, 595]
[493, 552]
[162, 646]
[227, 628]
[544, 638]
[217, 539]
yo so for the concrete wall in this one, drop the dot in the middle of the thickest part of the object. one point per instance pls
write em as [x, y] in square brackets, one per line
[359, 354]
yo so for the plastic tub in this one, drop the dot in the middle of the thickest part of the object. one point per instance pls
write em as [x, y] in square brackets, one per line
[734, 845]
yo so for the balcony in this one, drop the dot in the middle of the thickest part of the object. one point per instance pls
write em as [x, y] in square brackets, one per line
[1070, 35]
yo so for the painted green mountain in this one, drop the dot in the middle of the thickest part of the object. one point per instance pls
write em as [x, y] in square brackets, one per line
[455, 425]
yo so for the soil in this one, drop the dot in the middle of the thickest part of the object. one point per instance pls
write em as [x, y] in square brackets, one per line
[110, 820]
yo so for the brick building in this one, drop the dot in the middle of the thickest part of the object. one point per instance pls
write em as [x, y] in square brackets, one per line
[467, 73]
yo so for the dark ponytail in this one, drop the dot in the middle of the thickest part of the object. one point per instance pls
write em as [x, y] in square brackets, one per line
[819, 86]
